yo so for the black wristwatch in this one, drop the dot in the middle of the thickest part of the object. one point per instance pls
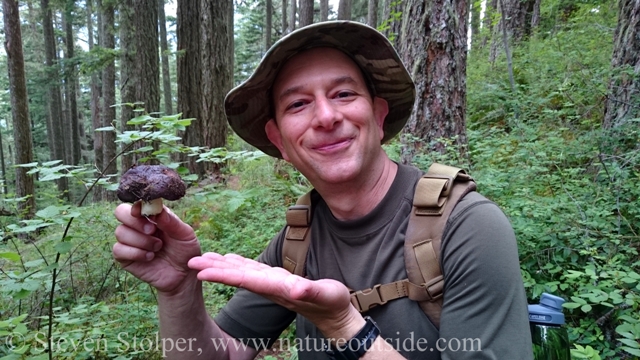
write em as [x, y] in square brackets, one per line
[357, 345]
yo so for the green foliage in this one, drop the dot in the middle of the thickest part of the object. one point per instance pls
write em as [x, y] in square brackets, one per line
[568, 186]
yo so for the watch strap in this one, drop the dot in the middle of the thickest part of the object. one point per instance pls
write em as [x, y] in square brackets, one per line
[358, 345]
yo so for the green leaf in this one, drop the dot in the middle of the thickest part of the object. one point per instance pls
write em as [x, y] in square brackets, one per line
[34, 263]
[570, 305]
[63, 247]
[585, 308]
[28, 165]
[10, 256]
[50, 212]
[632, 351]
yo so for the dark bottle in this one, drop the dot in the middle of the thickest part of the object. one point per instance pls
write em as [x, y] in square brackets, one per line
[549, 336]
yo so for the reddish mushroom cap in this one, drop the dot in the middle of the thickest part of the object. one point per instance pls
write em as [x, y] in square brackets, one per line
[148, 182]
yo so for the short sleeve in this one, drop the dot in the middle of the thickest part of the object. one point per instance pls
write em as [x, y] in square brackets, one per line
[485, 306]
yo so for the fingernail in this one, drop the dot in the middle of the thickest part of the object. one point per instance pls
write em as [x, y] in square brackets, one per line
[157, 246]
[149, 256]
[149, 228]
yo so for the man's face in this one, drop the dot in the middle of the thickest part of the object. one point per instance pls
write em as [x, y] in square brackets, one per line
[326, 123]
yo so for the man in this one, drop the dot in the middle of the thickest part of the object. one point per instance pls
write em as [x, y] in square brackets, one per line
[325, 98]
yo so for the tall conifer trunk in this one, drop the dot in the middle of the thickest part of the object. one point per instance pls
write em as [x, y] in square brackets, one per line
[433, 47]
[54, 98]
[19, 108]
[164, 48]
[623, 101]
[109, 97]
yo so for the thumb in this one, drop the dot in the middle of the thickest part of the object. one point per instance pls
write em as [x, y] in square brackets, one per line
[173, 226]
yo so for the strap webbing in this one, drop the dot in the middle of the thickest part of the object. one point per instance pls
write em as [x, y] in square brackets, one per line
[436, 194]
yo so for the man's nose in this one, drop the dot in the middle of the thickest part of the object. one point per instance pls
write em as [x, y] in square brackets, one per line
[326, 114]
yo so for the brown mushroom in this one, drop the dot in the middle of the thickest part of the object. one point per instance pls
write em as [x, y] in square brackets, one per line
[150, 183]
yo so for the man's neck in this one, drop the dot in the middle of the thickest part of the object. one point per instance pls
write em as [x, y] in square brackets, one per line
[357, 200]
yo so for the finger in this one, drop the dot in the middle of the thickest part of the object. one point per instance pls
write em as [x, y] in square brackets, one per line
[129, 216]
[131, 237]
[172, 226]
[228, 261]
[125, 254]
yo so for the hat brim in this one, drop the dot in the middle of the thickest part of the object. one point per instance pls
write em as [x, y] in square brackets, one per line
[248, 106]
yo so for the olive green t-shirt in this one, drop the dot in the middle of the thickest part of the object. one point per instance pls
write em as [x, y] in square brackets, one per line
[484, 314]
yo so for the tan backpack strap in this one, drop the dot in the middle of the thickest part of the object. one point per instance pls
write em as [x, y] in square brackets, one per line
[297, 238]
[437, 193]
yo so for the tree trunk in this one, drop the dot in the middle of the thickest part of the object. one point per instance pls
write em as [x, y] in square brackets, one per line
[19, 108]
[128, 74]
[284, 17]
[97, 136]
[324, 10]
[109, 97]
[268, 25]
[535, 16]
[292, 15]
[216, 74]
[54, 101]
[344, 10]
[623, 101]
[72, 80]
[189, 77]
[148, 63]
[434, 41]
[474, 7]
[306, 12]
[372, 13]
[164, 48]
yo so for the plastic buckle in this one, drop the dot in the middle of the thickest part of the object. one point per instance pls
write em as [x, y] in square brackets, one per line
[429, 288]
[369, 298]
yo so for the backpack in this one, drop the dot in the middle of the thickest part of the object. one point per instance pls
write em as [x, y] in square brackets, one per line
[436, 194]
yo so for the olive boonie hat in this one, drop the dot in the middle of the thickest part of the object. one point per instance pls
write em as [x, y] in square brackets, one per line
[248, 106]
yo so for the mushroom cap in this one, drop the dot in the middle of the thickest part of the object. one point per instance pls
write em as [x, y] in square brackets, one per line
[148, 182]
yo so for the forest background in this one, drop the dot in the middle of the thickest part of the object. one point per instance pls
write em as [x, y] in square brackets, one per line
[538, 99]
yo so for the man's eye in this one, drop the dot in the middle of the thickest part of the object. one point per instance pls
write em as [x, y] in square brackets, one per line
[344, 94]
[296, 104]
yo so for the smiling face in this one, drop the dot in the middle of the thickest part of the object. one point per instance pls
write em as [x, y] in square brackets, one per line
[326, 123]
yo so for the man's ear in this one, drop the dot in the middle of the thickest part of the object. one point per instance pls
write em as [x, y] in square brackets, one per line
[273, 133]
[380, 111]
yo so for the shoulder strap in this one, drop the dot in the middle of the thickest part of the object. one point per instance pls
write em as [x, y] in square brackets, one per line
[297, 236]
[437, 193]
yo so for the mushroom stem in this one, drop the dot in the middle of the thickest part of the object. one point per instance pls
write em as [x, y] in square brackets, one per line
[152, 207]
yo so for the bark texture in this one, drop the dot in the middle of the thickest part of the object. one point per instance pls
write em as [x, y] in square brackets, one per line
[147, 60]
[96, 90]
[344, 10]
[306, 12]
[189, 77]
[372, 13]
[623, 101]
[293, 11]
[55, 118]
[164, 48]
[204, 73]
[268, 26]
[216, 59]
[128, 74]
[19, 108]
[284, 16]
[433, 47]
[108, 97]
[71, 76]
